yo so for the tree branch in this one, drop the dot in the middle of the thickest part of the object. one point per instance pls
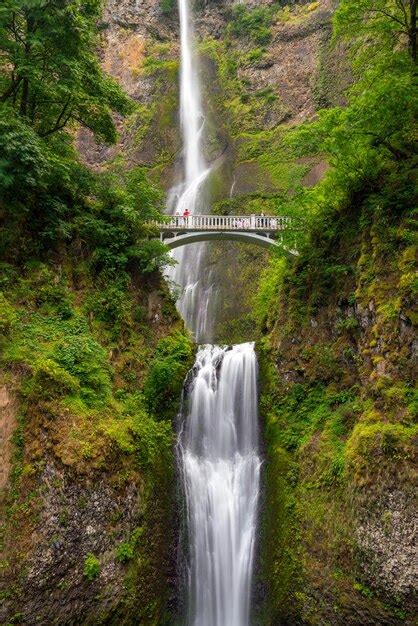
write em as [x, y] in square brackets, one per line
[401, 7]
[382, 141]
[56, 127]
[11, 90]
[390, 16]
[61, 120]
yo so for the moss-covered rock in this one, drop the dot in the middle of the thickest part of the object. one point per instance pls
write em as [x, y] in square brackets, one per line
[89, 523]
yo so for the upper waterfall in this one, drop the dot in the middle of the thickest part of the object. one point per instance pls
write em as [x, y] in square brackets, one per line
[191, 114]
[189, 192]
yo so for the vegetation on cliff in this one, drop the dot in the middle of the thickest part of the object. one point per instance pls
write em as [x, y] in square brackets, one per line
[88, 327]
[339, 398]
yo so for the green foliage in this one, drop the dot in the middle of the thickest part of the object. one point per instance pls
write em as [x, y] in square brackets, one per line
[253, 23]
[269, 290]
[348, 324]
[124, 552]
[364, 590]
[58, 348]
[51, 73]
[52, 79]
[115, 229]
[377, 26]
[91, 567]
[379, 447]
[370, 147]
[303, 412]
[172, 358]
[7, 315]
[242, 110]
[24, 164]
[51, 380]
[50, 199]
[168, 6]
[85, 360]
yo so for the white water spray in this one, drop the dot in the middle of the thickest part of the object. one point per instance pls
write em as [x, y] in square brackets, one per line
[221, 468]
[196, 288]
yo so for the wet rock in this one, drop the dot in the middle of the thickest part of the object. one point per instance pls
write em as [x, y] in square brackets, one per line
[386, 536]
[77, 516]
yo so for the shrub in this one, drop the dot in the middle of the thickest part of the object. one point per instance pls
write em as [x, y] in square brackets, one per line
[52, 380]
[162, 387]
[124, 552]
[91, 567]
[85, 359]
[252, 23]
[111, 303]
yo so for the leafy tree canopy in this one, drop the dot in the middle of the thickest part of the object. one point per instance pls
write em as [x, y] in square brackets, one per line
[50, 71]
[381, 25]
[375, 133]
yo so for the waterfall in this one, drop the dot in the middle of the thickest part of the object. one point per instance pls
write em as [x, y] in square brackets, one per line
[218, 442]
[196, 287]
[220, 466]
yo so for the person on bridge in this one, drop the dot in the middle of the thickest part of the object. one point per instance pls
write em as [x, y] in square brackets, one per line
[186, 216]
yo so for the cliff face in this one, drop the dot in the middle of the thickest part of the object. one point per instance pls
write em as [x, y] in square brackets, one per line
[252, 80]
[338, 372]
[88, 483]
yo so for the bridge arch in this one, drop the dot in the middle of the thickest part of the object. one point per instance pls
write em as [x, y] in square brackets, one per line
[193, 237]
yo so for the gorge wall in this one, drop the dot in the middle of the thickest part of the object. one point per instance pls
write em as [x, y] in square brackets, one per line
[90, 504]
[338, 370]
[91, 373]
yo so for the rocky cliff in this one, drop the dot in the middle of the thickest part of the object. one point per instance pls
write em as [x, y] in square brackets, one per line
[88, 489]
[338, 371]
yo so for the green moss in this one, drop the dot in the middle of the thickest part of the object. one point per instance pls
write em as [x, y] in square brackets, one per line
[280, 550]
[7, 315]
[51, 380]
[379, 447]
[239, 110]
[172, 359]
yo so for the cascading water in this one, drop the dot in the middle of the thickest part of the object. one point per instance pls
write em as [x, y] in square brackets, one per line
[221, 467]
[196, 288]
[218, 443]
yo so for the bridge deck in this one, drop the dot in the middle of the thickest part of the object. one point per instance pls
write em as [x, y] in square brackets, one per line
[245, 223]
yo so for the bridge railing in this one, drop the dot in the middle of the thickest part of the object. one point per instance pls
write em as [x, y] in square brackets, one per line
[226, 222]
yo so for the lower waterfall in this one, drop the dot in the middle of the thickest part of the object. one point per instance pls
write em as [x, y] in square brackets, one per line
[220, 466]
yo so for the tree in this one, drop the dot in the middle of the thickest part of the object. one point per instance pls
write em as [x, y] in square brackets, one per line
[383, 103]
[50, 73]
[393, 20]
